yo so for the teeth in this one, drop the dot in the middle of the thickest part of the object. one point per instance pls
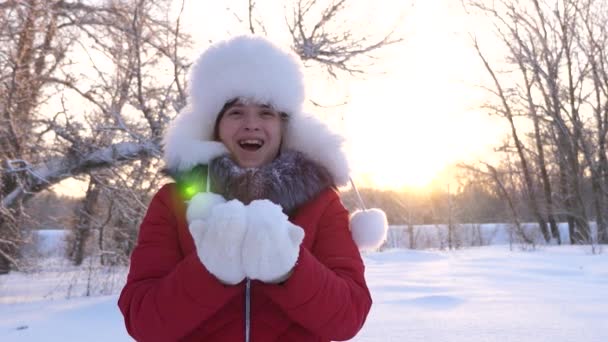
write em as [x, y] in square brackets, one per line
[251, 142]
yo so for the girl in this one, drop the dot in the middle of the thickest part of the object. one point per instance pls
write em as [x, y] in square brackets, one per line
[252, 242]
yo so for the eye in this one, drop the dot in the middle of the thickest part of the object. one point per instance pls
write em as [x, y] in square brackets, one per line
[268, 114]
[234, 113]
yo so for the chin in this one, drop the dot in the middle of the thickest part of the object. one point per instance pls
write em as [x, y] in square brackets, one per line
[257, 161]
[249, 163]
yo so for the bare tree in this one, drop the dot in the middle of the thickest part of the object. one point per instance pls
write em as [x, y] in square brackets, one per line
[87, 88]
[123, 47]
[314, 40]
[27, 55]
[592, 39]
[497, 177]
[507, 111]
[558, 49]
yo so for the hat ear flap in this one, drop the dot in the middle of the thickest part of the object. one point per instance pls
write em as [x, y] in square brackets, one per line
[368, 228]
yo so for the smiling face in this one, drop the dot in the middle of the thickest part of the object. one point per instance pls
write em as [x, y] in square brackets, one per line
[251, 132]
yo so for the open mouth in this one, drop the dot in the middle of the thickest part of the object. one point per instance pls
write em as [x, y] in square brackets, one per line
[251, 144]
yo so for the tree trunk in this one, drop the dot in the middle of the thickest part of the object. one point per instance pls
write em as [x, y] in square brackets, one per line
[544, 179]
[529, 183]
[602, 187]
[83, 228]
[577, 126]
[411, 236]
[10, 237]
[546, 184]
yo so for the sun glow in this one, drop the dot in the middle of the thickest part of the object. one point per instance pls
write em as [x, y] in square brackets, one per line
[396, 145]
[411, 124]
[401, 137]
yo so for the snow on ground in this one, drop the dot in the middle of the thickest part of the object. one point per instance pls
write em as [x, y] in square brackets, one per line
[92, 319]
[476, 294]
[488, 294]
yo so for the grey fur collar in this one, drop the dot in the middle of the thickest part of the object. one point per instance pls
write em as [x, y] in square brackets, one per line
[290, 180]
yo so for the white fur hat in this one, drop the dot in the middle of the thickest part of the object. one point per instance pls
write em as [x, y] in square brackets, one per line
[253, 68]
[249, 67]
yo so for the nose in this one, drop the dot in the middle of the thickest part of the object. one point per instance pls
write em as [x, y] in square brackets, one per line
[252, 123]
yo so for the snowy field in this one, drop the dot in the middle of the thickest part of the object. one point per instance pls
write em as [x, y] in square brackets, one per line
[490, 293]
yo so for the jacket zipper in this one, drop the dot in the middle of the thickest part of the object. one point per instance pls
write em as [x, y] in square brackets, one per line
[247, 286]
[247, 310]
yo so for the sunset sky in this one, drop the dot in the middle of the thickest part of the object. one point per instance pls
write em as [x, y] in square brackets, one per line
[424, 114]
[416, 111]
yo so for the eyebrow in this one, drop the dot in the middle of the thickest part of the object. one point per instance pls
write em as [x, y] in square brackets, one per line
[243, 105]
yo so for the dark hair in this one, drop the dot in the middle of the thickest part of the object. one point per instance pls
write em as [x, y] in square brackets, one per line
[216, 127]
[227, 105]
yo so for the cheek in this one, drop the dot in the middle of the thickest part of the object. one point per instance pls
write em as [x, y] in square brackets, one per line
[277, 132]
[225, 131]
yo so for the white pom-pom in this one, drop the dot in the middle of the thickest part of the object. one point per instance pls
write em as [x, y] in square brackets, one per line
[368, 228]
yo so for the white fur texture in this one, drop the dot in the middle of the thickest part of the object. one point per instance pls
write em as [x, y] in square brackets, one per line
[309, 135]
[199, 206]
[219, 241]
[368, 228]
[272, 244]
[253, 68]
[188, 143]
[250, 67]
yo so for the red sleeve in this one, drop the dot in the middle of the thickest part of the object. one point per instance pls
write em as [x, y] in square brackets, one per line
[167, 294]
[326, 293]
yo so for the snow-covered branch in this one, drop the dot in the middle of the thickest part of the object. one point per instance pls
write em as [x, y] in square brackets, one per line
[39, 177]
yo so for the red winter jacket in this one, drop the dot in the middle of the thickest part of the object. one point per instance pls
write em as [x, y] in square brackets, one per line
[170, 296]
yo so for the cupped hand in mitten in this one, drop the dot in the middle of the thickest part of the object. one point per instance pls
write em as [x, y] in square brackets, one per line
[272, 243]
[199, 206]
[219, 240]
